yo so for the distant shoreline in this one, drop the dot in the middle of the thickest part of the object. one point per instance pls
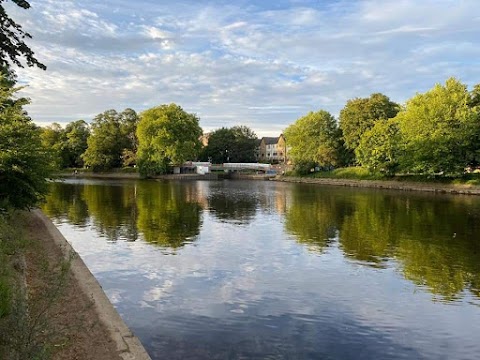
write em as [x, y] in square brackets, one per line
[376, 184]
[121, 175]
[387, 184]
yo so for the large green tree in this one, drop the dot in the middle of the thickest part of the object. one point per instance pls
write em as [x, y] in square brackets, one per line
[167, 135]
[360, 115]
[314, 139]
[24, 161]
[236, 144]
[53, 138]
[440, 130]
[76, 143]
[112, 133]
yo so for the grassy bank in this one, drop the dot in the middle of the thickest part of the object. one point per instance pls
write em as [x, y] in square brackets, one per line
[13, 304]
[359, 173]
[25, 328]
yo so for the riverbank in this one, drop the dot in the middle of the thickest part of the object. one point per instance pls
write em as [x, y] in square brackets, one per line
[83, 322]
[387, 184]
[191, 177]
[434, 187]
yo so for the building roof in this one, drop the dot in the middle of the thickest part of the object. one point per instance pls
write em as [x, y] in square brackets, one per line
[271, 140]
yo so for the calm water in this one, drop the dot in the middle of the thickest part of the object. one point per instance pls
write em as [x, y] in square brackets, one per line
[265, 270]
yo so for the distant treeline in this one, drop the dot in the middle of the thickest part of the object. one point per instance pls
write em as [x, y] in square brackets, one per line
[437, 132]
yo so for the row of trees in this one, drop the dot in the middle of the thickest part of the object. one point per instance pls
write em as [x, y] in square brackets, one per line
[109, 141]
[154, 140]
[437, 132]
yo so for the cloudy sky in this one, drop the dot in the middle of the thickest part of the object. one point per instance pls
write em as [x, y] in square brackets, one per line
[258, 63]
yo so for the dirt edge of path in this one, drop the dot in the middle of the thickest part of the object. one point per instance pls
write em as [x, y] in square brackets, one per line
[120, 338]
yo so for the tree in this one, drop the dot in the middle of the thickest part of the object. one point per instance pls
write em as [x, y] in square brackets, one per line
[53, 138]
[106, 143]
[236, 144]
[24, 162]
[220, 146]
[244, 145]
[167, 135]
[128, 127]
[12, 38]
[67, 145]
[75, 143]
[112, 133]
[379, 148]
[439, 130]
[475, 96]
[360, 115]
[314, 140]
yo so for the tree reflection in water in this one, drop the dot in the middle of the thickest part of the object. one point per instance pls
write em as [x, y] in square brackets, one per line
[434, 239]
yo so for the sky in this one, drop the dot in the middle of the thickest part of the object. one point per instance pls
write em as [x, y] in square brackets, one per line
[262, 64]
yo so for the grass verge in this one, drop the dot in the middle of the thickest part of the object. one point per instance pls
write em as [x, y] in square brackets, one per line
[359, 173]
[25, 329]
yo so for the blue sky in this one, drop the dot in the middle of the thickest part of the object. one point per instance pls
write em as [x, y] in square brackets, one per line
[258, 63]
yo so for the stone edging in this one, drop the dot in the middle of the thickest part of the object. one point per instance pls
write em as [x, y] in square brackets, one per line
[128, 345]
[379, 184]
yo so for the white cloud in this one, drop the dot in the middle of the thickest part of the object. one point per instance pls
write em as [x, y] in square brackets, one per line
[234, 64]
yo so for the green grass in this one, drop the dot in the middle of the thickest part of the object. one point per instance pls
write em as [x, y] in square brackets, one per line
[10, 245]
[359, 173]
[25, 328]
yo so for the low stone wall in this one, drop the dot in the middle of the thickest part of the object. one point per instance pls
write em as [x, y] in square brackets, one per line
[393, 185]
[127, 344]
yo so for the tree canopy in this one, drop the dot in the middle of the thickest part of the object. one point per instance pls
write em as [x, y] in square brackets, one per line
[76, 136]
[235, 144]
[12, 35]
[67, 145]
[167, 135]
[112, 134]
[360, 115]
[24, 161]
[314, 140]
[379, 148]
[440, 130]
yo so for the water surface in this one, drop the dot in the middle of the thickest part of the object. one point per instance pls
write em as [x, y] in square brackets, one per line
[265, 270]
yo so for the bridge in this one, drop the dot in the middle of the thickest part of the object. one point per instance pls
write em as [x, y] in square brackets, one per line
[206, 167]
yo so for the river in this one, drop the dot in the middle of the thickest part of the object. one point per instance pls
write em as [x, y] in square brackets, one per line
[269, 270]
